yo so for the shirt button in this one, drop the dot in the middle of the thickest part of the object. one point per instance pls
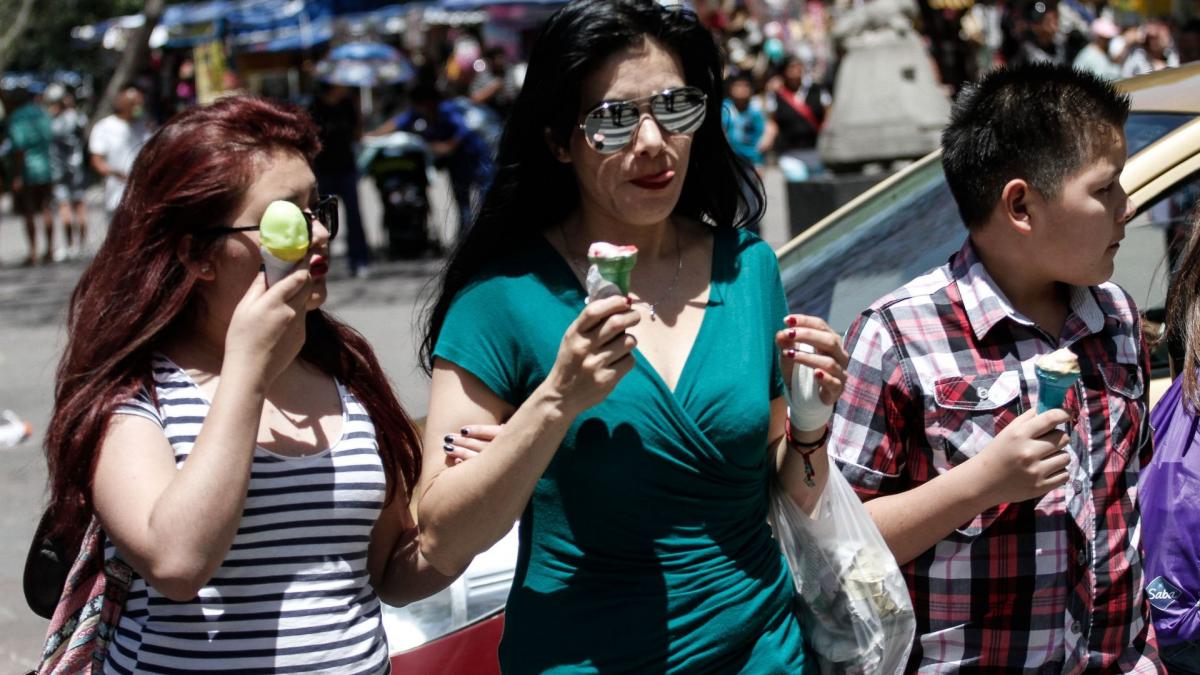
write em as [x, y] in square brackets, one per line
[1076, 628]
[982, 392]
[1077, 486]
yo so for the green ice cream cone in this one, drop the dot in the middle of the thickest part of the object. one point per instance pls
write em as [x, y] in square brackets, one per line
[616, 268]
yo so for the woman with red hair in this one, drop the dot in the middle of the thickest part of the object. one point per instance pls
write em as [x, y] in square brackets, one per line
[242, 450]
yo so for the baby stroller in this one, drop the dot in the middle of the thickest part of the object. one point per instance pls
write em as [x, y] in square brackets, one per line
[399, 163]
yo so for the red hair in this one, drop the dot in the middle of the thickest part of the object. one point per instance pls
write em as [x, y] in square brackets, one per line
[193, 172]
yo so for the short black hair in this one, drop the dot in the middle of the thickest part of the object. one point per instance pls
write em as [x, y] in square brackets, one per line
[739, 76]
[1038, 122]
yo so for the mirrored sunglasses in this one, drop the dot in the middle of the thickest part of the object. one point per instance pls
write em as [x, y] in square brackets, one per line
[610, 126]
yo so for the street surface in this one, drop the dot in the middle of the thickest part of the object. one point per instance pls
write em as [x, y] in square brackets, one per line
[384, 307]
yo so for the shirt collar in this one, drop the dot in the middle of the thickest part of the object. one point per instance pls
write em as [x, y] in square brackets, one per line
[986, 305]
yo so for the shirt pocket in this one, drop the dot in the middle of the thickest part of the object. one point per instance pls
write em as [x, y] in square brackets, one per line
[967, 413]
[1124, 407]
[969, 410]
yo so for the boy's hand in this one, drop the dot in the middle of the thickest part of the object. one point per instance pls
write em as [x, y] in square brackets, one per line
[1025, 460]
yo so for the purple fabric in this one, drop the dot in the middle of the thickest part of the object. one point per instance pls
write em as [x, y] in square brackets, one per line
[1169, 497]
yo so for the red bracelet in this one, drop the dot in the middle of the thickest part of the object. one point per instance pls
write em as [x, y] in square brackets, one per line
[806, 450]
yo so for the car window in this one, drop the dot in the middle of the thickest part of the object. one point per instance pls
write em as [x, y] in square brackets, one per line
[904, 231]
[913, 227]
[1142, 129]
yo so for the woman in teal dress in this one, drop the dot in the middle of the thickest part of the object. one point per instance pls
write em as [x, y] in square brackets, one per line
[640, 431]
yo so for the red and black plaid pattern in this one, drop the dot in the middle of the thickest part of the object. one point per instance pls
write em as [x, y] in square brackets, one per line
[937, 369]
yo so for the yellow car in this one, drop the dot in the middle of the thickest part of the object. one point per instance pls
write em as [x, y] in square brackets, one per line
[909, 224]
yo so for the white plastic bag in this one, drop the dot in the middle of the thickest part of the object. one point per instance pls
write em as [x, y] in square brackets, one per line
[851, 598]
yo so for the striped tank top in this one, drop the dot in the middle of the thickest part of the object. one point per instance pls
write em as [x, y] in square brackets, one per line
[293, 594]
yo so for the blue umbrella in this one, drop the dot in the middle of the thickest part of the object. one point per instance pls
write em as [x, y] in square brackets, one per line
[364, 64]
[365, 51]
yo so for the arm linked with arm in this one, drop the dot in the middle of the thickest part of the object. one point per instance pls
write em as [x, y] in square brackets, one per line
[463, 509]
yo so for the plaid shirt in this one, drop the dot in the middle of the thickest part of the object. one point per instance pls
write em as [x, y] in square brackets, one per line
[937, 369]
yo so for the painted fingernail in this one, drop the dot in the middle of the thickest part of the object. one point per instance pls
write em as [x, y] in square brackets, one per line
[820, 375]
[790, 353]
[448, 438]
[448, 448]
[791, 333]
[465, 431]
[629, 301]
[791, 321]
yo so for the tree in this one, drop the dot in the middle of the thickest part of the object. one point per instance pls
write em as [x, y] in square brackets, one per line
[14, 31]
[134, 56]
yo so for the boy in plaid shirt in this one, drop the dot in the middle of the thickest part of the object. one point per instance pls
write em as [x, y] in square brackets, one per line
[1014, 530]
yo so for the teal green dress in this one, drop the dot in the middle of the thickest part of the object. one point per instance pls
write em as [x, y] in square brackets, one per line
[645, 546]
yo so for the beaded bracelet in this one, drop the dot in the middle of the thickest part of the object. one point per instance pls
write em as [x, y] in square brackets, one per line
[806, 450]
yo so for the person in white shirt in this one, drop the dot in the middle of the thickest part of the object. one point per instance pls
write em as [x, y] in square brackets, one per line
[115, 142]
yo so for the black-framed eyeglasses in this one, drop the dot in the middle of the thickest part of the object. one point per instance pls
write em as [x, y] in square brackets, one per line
[609, 127]
[326, 211]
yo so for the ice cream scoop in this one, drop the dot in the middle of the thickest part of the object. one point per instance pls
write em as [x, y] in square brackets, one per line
[1056, 374]
[614, 263]
[283, 238]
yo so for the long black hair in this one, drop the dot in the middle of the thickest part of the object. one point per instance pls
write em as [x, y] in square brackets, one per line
[533, 191]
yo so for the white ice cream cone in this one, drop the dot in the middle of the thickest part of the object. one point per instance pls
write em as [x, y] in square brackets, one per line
[277, 268]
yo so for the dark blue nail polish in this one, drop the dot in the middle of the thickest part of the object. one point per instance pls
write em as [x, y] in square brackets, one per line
[448, 448]
[464, 431]
[448, 438]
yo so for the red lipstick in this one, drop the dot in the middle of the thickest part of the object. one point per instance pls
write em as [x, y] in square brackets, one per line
[655, 181]
[318, 267]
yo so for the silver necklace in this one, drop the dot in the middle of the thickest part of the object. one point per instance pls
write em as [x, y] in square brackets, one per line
[650, 306]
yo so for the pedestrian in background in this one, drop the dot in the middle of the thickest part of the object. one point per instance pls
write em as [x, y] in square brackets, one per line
[29, 130]
[115, 142]
[641, 431]
[1096, 57]
[70, 177]
[798, 104]
[1042, 42]
[744, 121]
[1151, 48]
[336, 112]
[455, 146]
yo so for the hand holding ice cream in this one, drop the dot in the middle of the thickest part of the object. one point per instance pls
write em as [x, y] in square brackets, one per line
[609, 270]
[283, 238]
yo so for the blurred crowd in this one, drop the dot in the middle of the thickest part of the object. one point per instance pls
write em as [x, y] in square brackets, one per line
[783, 58]
[783, 62]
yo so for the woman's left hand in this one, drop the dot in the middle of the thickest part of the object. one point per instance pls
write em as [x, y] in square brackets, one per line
[469, 442]
[828, 358]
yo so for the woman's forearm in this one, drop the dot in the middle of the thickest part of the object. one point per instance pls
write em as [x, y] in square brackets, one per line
[195, 519]
[407, 575]
[793, 474]
[466, 508]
